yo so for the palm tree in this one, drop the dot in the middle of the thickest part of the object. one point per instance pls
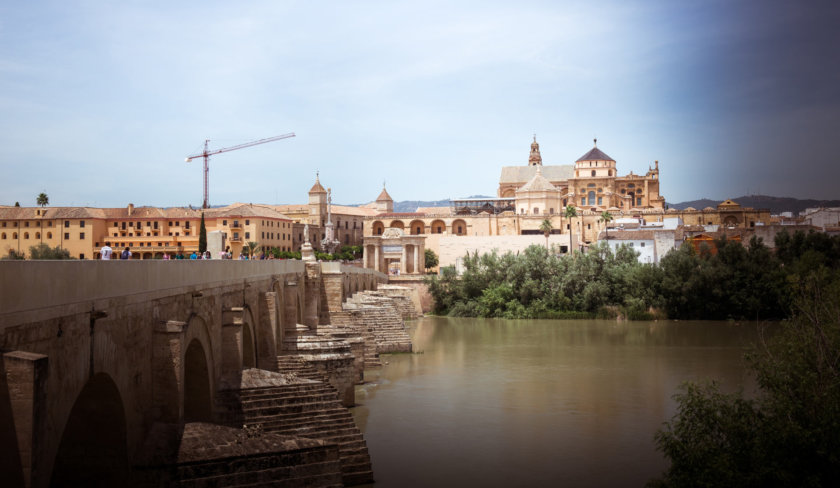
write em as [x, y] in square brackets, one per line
[252, 248]
[546, 227]
[606, 217]
[43, 200]
[570, 213]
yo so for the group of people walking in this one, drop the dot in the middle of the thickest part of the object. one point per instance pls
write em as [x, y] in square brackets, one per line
[106, 254]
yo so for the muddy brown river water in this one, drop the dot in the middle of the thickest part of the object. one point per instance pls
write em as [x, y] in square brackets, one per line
[486, 402]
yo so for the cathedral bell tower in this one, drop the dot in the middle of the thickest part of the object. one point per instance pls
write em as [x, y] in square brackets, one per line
[534, 159]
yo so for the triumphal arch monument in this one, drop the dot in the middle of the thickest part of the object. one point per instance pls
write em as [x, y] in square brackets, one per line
[394, 252]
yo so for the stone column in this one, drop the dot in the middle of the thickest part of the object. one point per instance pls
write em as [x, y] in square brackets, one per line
[25, 376]
[416, 259]
[312, 296]
[404, 260]
[376, 263]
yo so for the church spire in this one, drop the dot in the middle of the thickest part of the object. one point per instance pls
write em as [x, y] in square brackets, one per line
[535, 159]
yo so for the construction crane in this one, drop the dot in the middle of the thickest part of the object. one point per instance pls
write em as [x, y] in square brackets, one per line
[207, 153]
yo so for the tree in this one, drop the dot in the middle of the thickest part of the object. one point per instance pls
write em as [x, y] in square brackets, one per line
[17, 204]
[546, 227]
[606, 217]
[431, 258]
[43, 251]
[570, 213]
[789, 434]
[251, 249]
[202, 236]
[42, 200]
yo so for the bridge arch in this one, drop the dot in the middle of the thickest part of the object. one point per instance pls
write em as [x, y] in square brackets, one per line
[93, 447]
[197, 390]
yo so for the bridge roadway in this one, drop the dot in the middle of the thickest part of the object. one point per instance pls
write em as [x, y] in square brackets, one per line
[96, 352]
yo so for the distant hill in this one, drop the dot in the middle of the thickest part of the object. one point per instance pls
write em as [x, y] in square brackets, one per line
[776, 205]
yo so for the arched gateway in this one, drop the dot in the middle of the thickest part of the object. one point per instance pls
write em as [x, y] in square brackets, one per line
[395, 252]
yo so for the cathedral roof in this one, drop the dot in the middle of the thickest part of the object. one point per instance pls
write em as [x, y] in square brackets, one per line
[537, 183]
[521, 174]
[595, 154]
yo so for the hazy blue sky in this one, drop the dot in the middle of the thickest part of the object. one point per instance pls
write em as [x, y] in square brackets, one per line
[100, 102]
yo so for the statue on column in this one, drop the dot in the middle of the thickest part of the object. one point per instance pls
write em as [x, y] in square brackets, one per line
[329, 243]
[306, 251]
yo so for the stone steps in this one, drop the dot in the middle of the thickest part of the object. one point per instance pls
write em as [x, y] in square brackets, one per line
[306, 410]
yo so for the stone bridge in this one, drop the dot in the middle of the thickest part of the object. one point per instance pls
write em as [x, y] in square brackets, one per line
[97, 353]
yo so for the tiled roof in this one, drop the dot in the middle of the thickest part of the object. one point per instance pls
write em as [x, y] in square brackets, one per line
[595, 154]
[522, 174]
[537, 183]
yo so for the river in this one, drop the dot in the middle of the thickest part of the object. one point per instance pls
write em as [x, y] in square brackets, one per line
[487, 402]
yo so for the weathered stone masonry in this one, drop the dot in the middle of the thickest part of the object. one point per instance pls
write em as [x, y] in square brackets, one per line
[138, 357]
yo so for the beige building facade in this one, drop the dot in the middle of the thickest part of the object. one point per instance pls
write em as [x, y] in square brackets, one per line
[532, 193]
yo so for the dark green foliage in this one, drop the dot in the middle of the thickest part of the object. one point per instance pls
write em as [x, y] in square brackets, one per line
[789, 435]
[43, 251]
[14, 256]
[202, 236]
[538, 284]
[736, 282]
[431, 258]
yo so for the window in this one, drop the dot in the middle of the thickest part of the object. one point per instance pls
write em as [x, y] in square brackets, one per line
[49, 235]
[593, 172]
[26, 224]
[247, 234]
[186, 233]
[148, 234]
[263, 235]
[642, 244]
[591, 185]
[551, 211]
[224, 222]
[115, 234]
[116, 224]
[459, 228]
[123, 225]
[591, 196]
[588, 226]
[583, 200]
[346, 224]
[187, 224]
[638, 201]
[247, 222]
[66, 236]
[609, 172]
[155, 226]
[82, 256]
[536, 211]
[26, 235]
[66, 224]
[82, 223]
[81, 235]
[600, 200]
[177, 233]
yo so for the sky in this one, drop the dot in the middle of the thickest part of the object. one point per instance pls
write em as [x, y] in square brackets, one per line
[100, 102]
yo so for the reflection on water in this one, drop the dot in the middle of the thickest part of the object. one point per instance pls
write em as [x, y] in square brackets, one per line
[536, 402]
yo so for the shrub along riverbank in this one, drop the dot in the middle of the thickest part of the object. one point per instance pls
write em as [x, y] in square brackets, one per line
[736, 282]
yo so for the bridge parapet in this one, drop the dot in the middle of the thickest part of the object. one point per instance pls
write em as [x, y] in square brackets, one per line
[30, 286]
